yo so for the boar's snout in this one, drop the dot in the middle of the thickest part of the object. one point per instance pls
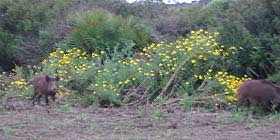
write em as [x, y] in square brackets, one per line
[52, 87]
[53, 90]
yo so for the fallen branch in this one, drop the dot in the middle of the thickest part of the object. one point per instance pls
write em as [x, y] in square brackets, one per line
[201, 87]
[173, 77]
[173, 89]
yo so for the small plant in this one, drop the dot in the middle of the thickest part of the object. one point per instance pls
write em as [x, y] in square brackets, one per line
[65, 107]
[187, 103]
[249, 125]
[157, 115]
[238, 116]
[275, 117]
[34, 136]
[7, 130]
[91, 129]
[89, 99]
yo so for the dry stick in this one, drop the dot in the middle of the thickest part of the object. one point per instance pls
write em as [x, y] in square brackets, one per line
[200, 88]
[173, 77]
[173, 88]
[145, 95]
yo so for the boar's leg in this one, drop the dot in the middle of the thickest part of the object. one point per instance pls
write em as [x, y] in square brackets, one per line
[39, 99]
[53, 98]
[47, 99]
[267, 107]
[244, 101]
[276, 103]
[33, 98]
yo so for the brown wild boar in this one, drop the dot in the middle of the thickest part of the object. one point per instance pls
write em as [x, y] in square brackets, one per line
[44, 85]
[261, 93]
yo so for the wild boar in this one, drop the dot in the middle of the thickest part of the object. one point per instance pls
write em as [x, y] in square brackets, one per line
[261, 93]
[44, 85]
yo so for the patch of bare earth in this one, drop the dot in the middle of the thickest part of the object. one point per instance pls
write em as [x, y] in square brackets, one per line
[26, 122]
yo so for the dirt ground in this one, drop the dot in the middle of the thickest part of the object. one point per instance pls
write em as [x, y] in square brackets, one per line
[67, 122]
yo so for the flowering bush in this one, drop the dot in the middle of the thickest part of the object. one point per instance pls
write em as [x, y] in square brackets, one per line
[14, 83]
[228, 85]
[154, 66]
[161, 69]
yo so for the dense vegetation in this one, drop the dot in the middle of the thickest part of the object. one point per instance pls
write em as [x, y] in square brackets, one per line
[103, 48]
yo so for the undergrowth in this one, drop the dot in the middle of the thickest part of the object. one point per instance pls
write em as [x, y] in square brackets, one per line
[191, 66]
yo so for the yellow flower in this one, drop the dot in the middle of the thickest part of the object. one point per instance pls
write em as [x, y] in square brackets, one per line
[173, 52]
[126, 81]
[193, 61]
[216, 33]
[94, 54]
[216, 52]
[200, 56]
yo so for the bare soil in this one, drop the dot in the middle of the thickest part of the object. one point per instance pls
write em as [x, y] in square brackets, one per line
[22, 121]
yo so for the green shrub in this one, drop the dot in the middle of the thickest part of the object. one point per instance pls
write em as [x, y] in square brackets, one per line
[275, 77]
[99, 30]
[7, 50]
[25, 34]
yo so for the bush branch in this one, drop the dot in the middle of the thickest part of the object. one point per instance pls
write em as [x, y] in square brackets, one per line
[172, 78]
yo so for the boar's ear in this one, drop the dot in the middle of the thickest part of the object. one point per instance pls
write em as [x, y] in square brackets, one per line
[48, 78]
[57, 78]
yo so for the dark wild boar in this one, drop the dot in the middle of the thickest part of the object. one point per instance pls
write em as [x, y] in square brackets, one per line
[261, 93]
[44, 85]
